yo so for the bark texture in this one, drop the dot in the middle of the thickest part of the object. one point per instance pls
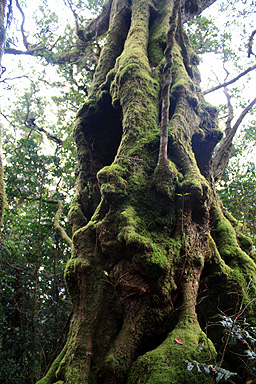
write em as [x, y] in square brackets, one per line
[149, 236]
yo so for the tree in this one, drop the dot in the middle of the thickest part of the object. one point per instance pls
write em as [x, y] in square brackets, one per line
[150, 235]
[34, 306]
[155, 255]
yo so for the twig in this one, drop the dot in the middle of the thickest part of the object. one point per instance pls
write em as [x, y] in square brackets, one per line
[230, 81]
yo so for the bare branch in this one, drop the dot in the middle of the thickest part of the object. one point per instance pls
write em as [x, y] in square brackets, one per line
[230, 111]
[229, 105]
[230, 81]
[24, 37]
[222, 156]
[14, 78]
[93, 30]
[243, 114]
[30, 123]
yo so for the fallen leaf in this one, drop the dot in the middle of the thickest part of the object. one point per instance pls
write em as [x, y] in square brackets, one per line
[249, 382]
[178, 341]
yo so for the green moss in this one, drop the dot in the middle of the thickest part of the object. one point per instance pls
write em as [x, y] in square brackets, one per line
[51, 374]
[75, 214]
[165, 178]
[167, 363]
[158, 31]
[118, 28]
[112, 183]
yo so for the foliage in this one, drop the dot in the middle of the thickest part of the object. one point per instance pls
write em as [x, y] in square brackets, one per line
[215, 371]
[237, 191]
[34, 303]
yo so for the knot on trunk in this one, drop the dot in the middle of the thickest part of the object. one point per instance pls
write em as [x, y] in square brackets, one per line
[128, 279]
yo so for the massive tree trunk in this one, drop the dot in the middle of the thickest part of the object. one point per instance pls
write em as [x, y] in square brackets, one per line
[149, 231]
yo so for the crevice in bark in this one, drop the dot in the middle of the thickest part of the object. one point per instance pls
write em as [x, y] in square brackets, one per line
[203, 147]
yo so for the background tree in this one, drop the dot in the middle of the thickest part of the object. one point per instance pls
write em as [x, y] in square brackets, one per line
[34, 304]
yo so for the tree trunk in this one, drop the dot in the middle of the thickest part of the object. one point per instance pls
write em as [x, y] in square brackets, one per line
[149, 231]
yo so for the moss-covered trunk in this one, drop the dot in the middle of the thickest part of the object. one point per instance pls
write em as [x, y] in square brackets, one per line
[149, 231]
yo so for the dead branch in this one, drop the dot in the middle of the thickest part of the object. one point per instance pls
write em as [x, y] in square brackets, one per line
[230, 81]
[222, 156]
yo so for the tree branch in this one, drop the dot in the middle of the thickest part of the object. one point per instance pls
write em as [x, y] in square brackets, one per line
[166, 84]
[230, 81]
[57, 226]
[98, 26]
[30, 123]
[24, 37]
[191, 9]
[250, 43]
[69, 5]
[222, 156]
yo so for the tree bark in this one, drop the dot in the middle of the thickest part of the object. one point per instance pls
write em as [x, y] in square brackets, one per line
[149, 237]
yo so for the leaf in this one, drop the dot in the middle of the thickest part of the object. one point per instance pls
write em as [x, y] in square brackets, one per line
[178, 341]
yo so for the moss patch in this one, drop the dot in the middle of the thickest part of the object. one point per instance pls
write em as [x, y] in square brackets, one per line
[167, 363]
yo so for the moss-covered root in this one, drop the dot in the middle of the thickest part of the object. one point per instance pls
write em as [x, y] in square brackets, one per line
[122, 353]
[50, 377]
[230, 249]
[168, 363]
